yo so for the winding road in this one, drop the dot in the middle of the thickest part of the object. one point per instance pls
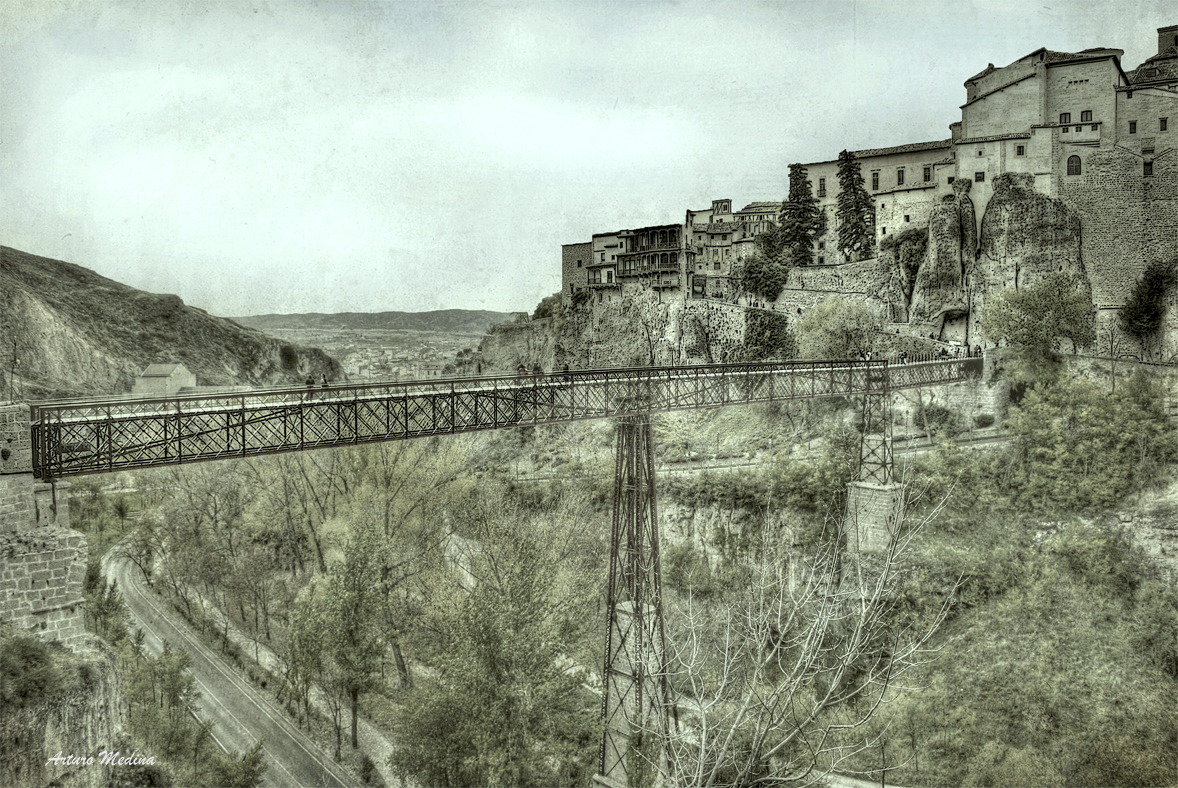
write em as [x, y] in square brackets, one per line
[240, 713]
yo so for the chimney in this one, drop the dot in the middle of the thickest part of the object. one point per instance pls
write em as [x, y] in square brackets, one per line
[1167, 38]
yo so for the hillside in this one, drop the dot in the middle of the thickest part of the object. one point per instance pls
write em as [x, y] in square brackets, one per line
[74, 332]
[450, 321]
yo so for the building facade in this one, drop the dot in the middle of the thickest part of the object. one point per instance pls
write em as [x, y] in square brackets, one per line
[1089, 133]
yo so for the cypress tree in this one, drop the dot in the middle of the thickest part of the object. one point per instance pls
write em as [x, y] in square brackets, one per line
[801, 218]
[855, 212]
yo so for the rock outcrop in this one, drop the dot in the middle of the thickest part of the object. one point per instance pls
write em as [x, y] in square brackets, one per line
[939, 290]
[1024, 237]
[508, 345]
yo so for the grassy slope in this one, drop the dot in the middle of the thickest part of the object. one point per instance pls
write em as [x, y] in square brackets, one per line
[129, 328]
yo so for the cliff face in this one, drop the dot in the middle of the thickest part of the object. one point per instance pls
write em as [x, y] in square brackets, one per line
[1024, 237]
[82, 721]
[75, 332]
[938, 291]
[641, 330]
[508, 345]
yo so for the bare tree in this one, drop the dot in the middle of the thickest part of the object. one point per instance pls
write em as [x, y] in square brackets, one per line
[776, 684]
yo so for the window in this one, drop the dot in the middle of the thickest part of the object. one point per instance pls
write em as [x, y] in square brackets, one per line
[1094, 127]
[1086, 116]
[883, 231]
[822, 244]
[821, 261]
[906, 217]
[1065, 118]
[1162, 124]
[822, 187]
[875, 181]
[1132, 127]
[1020, 150]
[980, 177]
[1066, 129]
[950, 180]
[928, 174]
[899, 177]
[716, 265]
[1129, 94]
[578, 264]
[979, 153]
[1147, 170]
[1073, 165]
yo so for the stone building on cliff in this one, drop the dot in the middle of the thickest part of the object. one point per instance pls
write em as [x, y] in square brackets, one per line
[1060, 161]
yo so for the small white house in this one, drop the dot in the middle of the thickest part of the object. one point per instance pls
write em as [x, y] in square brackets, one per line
[162, 380]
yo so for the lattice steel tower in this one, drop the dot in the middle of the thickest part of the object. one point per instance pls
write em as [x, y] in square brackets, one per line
[636, 699]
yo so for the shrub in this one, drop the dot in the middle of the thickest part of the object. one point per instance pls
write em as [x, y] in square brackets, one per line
[983, 420]
[289, 357]
[28, 671]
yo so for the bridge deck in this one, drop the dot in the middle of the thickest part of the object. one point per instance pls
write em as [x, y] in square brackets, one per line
[101, 435]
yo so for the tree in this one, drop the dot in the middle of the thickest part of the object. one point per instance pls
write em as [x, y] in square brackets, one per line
[837, 329]
[855, 211]
[1112, 343]
[777, 681]
[508, 706]
[353, 607]
[549, 306]
[1142, 314]
[801, 218]
[1036, 320]
[762, 274]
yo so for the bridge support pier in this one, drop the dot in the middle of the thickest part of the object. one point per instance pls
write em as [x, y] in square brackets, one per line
[42, 560]
[874, 514]
[875, 502]
[636, 695]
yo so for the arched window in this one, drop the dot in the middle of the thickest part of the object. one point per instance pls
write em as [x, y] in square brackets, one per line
[1073, 165]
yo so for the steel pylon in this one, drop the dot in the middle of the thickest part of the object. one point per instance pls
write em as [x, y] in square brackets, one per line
[636, 696]
[875, 445]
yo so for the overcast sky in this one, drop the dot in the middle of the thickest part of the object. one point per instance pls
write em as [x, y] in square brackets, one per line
[355, 155]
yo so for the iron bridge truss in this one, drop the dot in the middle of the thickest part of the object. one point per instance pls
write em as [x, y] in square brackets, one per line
[76, 437]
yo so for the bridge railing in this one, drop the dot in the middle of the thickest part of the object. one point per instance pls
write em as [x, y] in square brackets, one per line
[92, 436]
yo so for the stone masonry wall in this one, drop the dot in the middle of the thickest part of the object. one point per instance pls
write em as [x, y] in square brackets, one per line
[42, 560]
[1129, 220]
[874, 512]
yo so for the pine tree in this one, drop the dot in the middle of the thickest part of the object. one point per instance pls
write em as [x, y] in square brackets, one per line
[856, 211]
[801, 218]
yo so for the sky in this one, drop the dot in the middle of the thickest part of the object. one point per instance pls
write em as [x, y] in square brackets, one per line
[280, 156]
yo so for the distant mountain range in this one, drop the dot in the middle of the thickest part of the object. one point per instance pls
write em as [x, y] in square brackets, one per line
[66, 330]
[450, 321]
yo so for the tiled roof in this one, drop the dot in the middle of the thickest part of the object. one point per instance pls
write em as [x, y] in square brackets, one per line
[1159, 68]
[1096, 52]
[758, 206]
[160, 370]
[909, 148]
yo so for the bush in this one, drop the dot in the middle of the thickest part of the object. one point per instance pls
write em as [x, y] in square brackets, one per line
[28, 671]
[939, 419]
[983, 420]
